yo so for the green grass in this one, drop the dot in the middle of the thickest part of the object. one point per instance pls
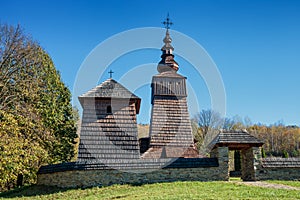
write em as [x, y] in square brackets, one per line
[176, 190]
[235, 179]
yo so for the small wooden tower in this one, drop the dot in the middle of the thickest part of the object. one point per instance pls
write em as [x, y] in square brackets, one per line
[109, 128]
[170, 128]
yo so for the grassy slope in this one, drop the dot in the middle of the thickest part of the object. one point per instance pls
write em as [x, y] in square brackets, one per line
[177, 190]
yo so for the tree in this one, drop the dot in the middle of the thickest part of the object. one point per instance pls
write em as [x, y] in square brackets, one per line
[238, 123]
[280, 140]
[228, 124]
[209, 120]
[209, 123]
[56, 110]
[37, 121]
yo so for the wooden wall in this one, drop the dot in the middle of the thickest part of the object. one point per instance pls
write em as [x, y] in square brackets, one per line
[106, 135]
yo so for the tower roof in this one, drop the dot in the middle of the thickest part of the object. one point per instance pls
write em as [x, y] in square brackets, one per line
[167, 48]
[110, 89]
[169, 74]
[167, 62]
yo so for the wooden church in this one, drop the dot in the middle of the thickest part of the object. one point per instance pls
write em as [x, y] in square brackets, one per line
[109, 128]
[110, 151]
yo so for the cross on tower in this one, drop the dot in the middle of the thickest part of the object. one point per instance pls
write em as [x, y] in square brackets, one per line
[167, 23]
[110, 73]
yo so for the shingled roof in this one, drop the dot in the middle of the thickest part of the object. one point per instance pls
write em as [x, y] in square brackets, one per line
[110, 89]
[281, 162]
[236, 140]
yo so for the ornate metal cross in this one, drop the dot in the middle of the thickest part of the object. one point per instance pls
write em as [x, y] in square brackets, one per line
[110, 73]
[167, 23]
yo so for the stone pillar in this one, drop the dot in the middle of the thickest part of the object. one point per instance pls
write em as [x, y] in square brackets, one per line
[222, 154]
[251, 163]
[214, 153]
[257, 162]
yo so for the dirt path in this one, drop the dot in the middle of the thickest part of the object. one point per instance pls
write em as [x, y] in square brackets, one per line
[269, 185]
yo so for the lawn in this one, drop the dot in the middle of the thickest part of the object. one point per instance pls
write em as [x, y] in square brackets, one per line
[176, 190]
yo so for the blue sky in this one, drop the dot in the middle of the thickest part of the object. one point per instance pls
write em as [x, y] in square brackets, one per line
[255, 45]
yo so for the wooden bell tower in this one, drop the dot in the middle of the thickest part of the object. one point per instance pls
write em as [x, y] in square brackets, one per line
[170, 128]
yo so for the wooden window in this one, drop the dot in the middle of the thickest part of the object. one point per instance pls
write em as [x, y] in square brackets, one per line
[108, 109]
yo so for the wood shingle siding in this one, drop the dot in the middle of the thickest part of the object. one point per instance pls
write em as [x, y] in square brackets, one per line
[108, 128]
[170, 129]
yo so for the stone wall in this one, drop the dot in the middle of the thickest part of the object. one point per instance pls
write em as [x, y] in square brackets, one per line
[139, 171]
[279, 169]
[142, 171]
[88, 178]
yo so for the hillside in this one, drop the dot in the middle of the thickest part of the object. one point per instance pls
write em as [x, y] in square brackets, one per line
[143, 130]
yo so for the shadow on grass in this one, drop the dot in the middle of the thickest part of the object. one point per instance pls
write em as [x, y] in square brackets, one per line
[31, 191]
[39, 190]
